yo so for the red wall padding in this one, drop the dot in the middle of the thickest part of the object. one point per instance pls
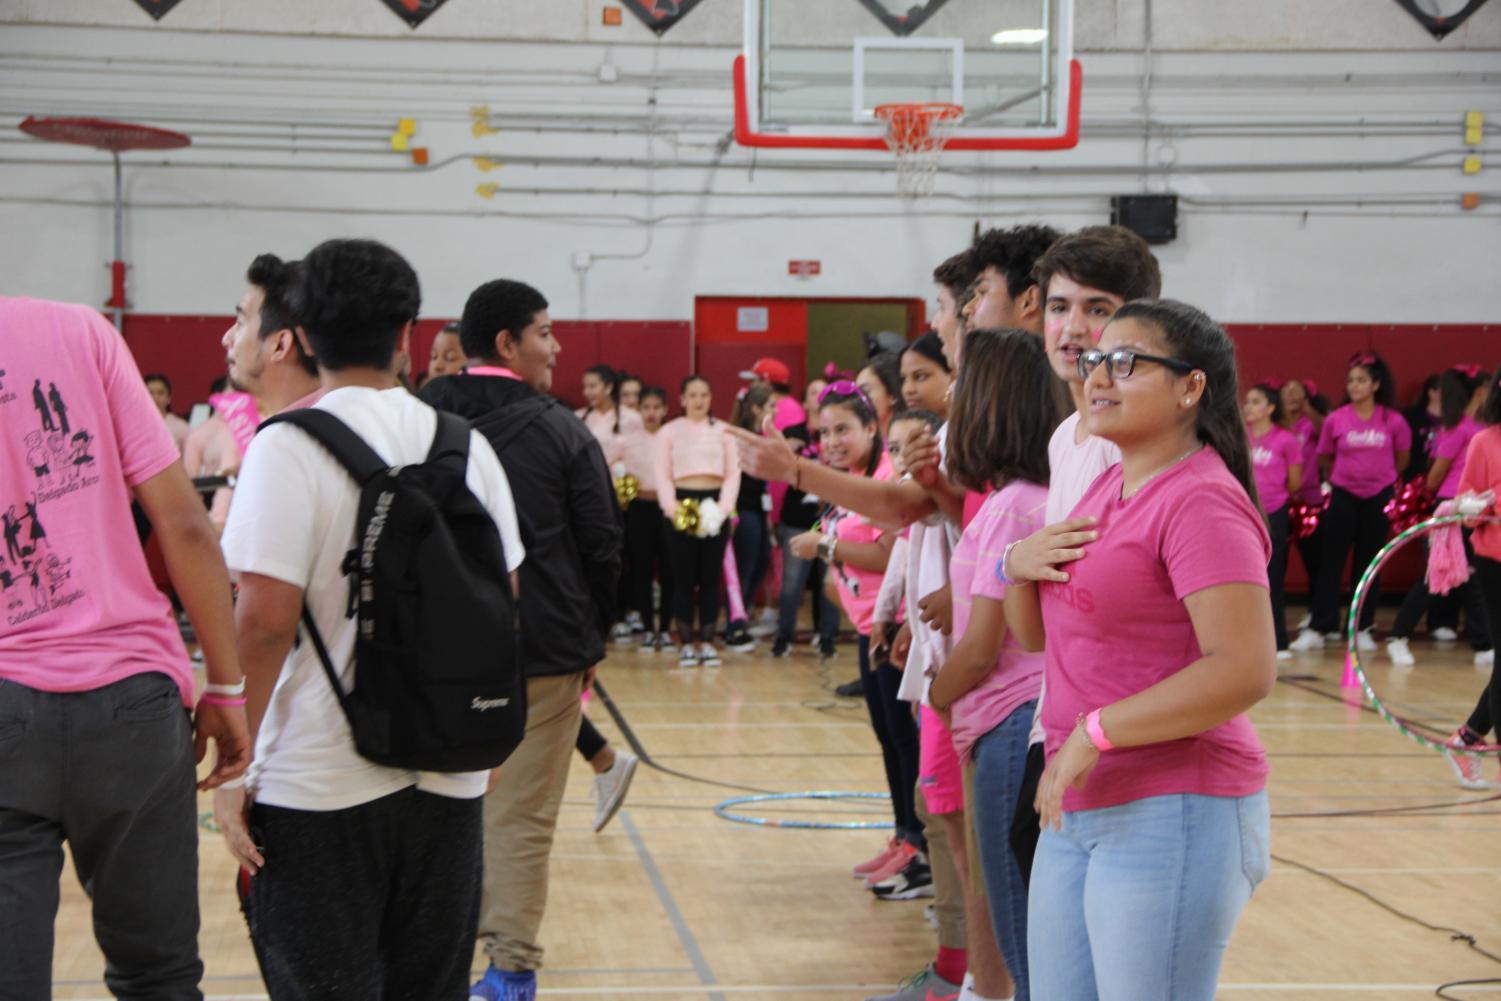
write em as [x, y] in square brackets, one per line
[188, 350]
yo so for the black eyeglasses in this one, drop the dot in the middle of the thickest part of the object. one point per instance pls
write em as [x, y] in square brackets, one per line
[1123, 362]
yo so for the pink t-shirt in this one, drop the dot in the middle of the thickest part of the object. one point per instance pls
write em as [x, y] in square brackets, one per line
[858, 589]
[1312, 491]
[1483, 472]
[1119, 626]
[1011, 513]
[1272, 455]
[1365, 452]
[1452, 444]
[79, 430]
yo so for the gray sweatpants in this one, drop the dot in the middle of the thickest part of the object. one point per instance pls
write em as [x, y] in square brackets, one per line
[111, 772]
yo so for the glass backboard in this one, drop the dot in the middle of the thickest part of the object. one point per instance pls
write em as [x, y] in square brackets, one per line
[813, 71]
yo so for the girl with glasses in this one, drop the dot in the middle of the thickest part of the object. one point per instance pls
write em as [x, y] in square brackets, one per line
[857, 552]
[1158, 643]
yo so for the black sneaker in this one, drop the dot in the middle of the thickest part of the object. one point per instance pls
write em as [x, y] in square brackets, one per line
[781, 647]
[851, 690]
[738, 640]
[826, 648]
[915, 881]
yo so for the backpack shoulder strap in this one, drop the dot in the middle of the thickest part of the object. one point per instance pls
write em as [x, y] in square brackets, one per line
[506, 424]
[362, 461]
[451, 439]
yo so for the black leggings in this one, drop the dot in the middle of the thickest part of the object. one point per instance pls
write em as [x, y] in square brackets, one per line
[1276, 571]
[896, 732]
[1487, 580]
[697, 566]
[1419, 600]
[1349, 522]
[590, 741]
[646, 534]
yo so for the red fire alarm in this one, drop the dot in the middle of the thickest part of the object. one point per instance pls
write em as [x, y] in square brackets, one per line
[804, 269]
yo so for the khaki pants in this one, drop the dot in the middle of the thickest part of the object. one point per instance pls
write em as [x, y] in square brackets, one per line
[521, 816]
[948, 887]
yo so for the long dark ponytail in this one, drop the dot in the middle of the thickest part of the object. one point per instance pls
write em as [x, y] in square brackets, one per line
[1192, 336]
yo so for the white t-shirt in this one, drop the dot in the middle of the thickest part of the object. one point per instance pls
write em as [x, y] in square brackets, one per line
[931, 542]
[293, 519]
[1074, 466]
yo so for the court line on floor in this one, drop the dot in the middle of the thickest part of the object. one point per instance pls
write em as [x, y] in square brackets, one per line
[723, 989]
[670, 906]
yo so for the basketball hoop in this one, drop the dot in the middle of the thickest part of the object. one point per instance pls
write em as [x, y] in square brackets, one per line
[114, 138]
[916, 132]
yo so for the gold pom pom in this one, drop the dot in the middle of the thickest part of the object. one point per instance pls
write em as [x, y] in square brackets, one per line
[627, 489]
[687, 516]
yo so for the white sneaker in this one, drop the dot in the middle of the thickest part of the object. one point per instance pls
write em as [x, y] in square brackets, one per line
[708, 655]
[1485, 658]
[689, 656]
[1443, 634]
[1304, 622]
[610, 788]
[1284, 655]
[1365, 641]
[620, 632]
[1396, 649]
[1307, 641]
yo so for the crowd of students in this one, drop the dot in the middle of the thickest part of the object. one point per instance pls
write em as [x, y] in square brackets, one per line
[1057, 527]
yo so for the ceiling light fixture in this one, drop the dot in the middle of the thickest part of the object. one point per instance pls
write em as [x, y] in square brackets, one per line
[1020, 36]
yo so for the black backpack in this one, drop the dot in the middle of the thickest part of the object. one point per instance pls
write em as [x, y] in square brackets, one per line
[438, 684]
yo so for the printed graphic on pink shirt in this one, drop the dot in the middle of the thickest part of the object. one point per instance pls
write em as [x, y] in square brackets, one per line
[35, 574]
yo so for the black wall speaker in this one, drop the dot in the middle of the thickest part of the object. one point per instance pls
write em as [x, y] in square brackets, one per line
[1154, 218]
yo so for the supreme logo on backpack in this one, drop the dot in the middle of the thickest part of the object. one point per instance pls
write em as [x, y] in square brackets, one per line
[437, 675]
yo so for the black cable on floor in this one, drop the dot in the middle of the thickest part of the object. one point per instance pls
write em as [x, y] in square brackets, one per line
[641, 752]
[1455, 934]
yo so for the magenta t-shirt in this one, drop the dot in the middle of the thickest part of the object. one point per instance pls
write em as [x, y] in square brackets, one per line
[858, 589]
[1272, 455]
[788, 413]
[1313, 480]
[1365, 452]
[1011, 513]
[1452, 444]
[1119, 626]
[79, 430]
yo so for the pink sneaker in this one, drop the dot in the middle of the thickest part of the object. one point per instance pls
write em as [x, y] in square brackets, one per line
[905, 851]
[879, 862]
[1467, 766]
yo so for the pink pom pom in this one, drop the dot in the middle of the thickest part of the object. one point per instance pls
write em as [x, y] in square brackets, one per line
[1448, 565]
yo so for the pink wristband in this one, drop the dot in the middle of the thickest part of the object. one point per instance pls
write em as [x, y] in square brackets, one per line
[1096, 732]
[220, 700]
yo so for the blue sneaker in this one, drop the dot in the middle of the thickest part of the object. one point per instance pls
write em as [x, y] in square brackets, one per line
[498, 985]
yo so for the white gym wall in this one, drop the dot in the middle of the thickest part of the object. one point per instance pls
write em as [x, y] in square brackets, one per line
[1316, 147]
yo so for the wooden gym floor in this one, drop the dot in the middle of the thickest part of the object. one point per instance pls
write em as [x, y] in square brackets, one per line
[672, 901]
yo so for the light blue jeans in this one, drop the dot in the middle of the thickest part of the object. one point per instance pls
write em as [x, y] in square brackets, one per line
[1000, 758]
[1137, 902]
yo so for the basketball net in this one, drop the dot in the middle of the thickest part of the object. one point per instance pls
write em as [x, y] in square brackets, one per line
[916, 132]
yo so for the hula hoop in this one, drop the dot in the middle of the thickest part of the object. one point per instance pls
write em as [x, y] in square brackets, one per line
[723, 811]
[1352, 651]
